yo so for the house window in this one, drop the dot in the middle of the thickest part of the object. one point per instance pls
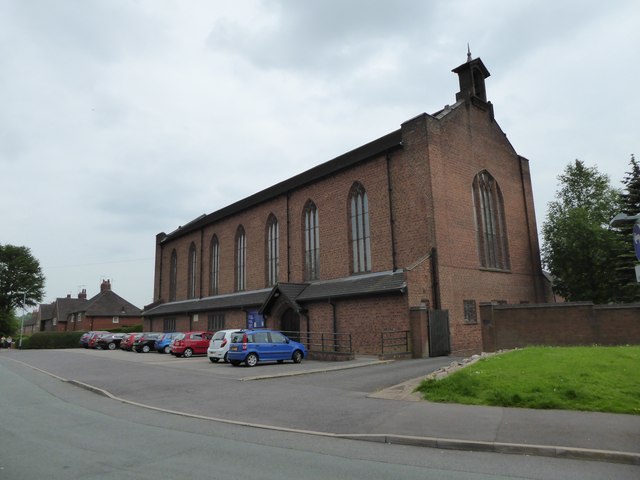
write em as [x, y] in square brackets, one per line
[215, 265]
[241, 258]
[273, 258]
[490, 223]
[216, 322]
[191, 293]
[470, 312]
[360, 235]
[173, 276]
[116, 319]
[311, 242]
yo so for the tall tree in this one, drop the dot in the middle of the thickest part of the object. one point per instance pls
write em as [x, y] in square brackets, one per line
[21, 283]
[579, 248]
[629, 288]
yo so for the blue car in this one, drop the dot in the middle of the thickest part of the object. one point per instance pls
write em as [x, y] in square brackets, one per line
[163, 344]
[253, 346]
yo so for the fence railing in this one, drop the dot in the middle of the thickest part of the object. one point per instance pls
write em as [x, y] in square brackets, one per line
[323, 341]
[395, 341]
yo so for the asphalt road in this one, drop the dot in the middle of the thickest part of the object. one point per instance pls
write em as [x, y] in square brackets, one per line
[53, 429]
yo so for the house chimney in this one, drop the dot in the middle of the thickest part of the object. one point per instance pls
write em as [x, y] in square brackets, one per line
[106, 285]
[83, 294]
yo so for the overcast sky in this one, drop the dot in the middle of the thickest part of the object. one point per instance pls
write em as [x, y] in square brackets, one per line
[120, 119]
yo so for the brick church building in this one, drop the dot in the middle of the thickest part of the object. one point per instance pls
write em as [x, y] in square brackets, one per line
[435, 216]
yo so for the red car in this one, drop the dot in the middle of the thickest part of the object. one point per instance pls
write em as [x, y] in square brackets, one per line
[127, 342]
[190, 343]
[93, 338]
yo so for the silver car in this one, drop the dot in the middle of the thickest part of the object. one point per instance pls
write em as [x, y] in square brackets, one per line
[219, 346]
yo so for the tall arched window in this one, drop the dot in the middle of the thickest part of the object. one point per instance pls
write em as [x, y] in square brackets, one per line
[311, 242]
[191, 292]
[273, 256]
[490, 222]
[360, 234]
[241, 259]
[173, 276]
[215, 266]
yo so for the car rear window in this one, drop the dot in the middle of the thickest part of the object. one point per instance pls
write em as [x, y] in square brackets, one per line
[237, 337]
[218, 336]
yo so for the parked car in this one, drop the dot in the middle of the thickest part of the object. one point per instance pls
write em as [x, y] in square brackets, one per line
[127, 342]
[253, 346]
[93, 338]
[84, 339]
[219, 345]
[145, 342]
[109, 341]
[191, 343]
[163, 344]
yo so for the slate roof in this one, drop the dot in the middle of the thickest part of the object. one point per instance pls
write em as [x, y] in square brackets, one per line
[359, 285]
[287, 291]
[46, 311]
[108, 303]
[219, 302]
[65, 306]
[388, 142]
[294, 293]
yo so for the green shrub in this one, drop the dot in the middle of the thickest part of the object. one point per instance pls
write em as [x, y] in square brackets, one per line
[130, 329]
[53, 340]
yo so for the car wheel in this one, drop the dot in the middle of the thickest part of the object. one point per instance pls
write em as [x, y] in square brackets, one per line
[297, 356]
[167, 349]
[188, 352]
[251, 360]
[226, 359]
[235, 363]
[145, 349]
[213, 360]
[112, 346]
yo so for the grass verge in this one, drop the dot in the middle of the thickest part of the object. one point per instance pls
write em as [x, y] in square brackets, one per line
[598, 379]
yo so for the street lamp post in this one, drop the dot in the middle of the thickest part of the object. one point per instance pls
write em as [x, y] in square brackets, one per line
[24, 307]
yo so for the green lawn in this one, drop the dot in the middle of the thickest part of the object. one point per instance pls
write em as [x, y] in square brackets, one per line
[599, 379]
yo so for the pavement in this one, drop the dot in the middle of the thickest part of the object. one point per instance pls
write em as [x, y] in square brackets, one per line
[394, 414]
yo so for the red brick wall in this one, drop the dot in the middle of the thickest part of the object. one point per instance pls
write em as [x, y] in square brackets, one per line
[512, 326]
[462, 144]
[104, 323]
[428, 184]
[364, 318]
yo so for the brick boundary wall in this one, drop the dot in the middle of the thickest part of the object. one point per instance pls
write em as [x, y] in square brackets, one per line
[559, 324]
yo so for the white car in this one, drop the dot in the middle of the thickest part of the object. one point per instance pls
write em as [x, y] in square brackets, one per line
[219, 345]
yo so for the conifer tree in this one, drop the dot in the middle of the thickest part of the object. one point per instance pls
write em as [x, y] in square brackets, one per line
[629, 288]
